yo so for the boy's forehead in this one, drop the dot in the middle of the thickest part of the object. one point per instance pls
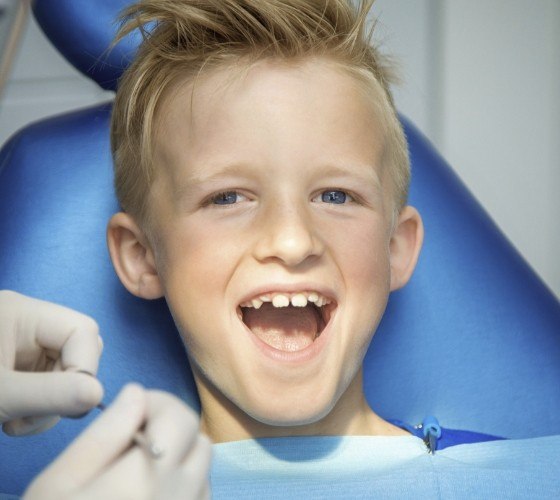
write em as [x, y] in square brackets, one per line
[315, 80]
[304, 103]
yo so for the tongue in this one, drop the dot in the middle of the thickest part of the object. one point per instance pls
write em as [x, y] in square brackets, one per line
[287, 328]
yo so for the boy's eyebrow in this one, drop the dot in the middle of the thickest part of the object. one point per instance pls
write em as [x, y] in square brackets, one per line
[183, 187]
[366, 173]
[226, 170]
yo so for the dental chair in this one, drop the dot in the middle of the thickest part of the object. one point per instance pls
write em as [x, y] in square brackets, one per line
[474, 339]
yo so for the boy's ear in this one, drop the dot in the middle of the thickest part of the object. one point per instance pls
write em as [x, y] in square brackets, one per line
[133, 258]
[405, 245]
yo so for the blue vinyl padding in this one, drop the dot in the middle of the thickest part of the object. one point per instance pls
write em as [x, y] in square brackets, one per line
[83, 30]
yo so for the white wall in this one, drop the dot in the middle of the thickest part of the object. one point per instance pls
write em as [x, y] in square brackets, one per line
[481, 79]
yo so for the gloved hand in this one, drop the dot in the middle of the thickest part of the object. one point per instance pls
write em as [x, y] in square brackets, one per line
[42, 347]
[105, 463]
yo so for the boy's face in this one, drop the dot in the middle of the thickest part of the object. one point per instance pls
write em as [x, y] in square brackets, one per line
[270, 188]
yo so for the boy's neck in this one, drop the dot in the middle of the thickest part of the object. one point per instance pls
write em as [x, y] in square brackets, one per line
[222, 421]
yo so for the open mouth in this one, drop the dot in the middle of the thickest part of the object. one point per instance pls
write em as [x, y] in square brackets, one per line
[287, 321]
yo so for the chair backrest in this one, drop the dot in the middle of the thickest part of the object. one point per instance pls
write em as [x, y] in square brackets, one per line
[473, 339]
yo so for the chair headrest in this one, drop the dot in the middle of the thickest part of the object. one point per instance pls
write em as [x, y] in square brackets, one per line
[82, 30]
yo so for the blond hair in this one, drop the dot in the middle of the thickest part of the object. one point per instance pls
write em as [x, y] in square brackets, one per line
[183, 38]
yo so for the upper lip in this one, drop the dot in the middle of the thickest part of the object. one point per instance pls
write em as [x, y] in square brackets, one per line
[289, 288]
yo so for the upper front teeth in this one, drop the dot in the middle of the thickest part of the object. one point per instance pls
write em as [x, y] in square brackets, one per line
[256, 303]
[299, 299]
[313, 297]
[280, 301]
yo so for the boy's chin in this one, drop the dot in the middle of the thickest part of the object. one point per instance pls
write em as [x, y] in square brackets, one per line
[288, 415]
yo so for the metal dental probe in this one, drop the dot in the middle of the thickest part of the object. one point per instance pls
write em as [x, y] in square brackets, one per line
[141, 440]
[138, 438]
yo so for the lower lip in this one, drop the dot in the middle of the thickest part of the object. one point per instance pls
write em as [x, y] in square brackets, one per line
[294, 357]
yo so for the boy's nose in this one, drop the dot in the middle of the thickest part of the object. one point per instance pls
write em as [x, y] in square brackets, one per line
[287, 236]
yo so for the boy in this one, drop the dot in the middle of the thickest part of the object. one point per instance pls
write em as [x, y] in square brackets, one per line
[263, 175]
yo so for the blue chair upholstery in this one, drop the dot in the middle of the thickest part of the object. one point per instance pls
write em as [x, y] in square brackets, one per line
[82, 30]
[473, 339]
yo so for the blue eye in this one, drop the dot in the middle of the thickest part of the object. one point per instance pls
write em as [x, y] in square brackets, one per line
[226, 198]
[334, 196]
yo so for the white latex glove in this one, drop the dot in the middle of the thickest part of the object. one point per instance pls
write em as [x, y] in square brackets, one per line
[42, 346]
[105, 463]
